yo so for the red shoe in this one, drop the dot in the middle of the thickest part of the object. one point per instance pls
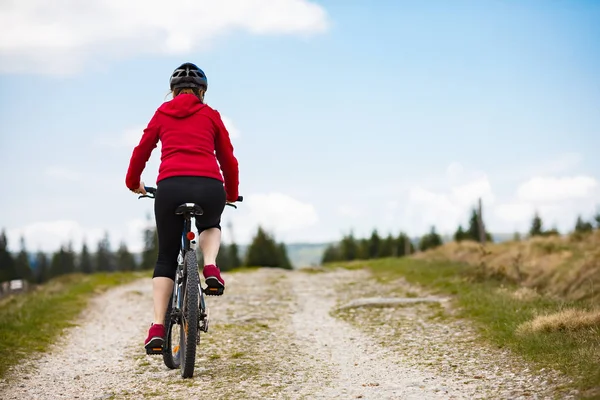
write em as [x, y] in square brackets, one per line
[156, 337]
[214, 282]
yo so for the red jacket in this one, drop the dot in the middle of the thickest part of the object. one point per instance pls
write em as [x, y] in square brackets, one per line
[193, 138]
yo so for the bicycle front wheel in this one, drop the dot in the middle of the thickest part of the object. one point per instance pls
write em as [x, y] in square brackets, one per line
[189, 323]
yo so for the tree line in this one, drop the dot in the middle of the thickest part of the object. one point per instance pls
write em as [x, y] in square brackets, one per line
[264, 251]
[351, 248]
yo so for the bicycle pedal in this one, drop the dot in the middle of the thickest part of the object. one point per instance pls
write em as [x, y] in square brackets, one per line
[154, 350]
[213, 291]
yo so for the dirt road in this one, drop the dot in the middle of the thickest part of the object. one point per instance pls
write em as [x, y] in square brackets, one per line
[278, 334]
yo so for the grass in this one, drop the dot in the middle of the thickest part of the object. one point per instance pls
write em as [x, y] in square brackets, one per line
[510, 319]
[562, 266]
[31, 322]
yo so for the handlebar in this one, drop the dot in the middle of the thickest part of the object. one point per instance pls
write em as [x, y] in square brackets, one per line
[151, 193]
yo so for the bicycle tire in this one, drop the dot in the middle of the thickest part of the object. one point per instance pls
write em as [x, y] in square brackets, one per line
[189, 325]
[170, 361]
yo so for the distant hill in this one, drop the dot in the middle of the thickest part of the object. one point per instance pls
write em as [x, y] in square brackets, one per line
[300, 254]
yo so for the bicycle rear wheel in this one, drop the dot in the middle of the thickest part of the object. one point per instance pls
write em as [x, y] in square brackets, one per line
[190, 315]
[172, 346]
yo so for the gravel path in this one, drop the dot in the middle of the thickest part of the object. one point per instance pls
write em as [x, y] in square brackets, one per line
[277, 334]
[358, 366]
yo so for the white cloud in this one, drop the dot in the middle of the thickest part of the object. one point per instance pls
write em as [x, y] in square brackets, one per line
[448, 208]
[128, 138]
[550, 189]
[346, 210]
[234, 132]
[276, 212]
[468, 193]
[515, 212]
[558, 201]
[134, 234]
[62, 173]
[57, 38]
[48, 236]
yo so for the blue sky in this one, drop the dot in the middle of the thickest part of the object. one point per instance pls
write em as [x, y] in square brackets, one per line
[393, 115]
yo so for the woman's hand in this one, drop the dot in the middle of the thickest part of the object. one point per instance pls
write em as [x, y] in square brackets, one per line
[141, 189]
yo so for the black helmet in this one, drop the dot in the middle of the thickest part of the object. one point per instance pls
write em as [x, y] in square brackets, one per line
[188, 75]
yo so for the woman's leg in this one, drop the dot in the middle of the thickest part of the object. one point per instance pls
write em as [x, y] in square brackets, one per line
[169, 227]
[211, 196]
[210, 242]
[162, 288]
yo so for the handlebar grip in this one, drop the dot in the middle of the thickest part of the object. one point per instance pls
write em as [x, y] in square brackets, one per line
[150, 189]
[240, 198]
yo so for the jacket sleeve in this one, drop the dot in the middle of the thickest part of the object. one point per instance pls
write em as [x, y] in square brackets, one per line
[141, 154]
[227, 161]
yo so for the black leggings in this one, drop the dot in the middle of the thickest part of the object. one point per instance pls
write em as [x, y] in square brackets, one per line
[208, 193]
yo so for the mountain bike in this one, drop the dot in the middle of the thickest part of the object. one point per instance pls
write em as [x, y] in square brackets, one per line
[187, 312]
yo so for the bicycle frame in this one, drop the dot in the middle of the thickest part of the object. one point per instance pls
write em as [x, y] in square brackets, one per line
[180, 293]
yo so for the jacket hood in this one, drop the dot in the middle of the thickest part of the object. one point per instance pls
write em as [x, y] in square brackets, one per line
[182, 106]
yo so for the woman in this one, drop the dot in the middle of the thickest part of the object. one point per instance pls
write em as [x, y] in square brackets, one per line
[193, 139]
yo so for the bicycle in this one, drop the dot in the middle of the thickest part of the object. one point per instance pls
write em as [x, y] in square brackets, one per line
[187, 307]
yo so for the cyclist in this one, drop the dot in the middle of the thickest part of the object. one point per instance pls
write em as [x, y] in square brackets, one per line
[196, 148]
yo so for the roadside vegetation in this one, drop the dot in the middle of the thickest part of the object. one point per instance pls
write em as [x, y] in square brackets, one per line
[539, 295]
[544, 308]
[30, 322]
[563, 267]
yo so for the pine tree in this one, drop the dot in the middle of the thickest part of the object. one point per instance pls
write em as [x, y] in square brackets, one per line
[234, 255]
[85, 260]
[284, 261]
[349, 248]
[22, 265]
[473, 230]
[331, 254]
[363, 252]
[224, 258]
[387, 246]
[430, 240]
[582, 226]
[104, 257]
[460, 234]
[374, 244]
[7, 262]
[401, 245]
[264, 251]
[69, 259]
[124, 259]
[536, 226]
[43, 267]
[57, 265]
[597, 219]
